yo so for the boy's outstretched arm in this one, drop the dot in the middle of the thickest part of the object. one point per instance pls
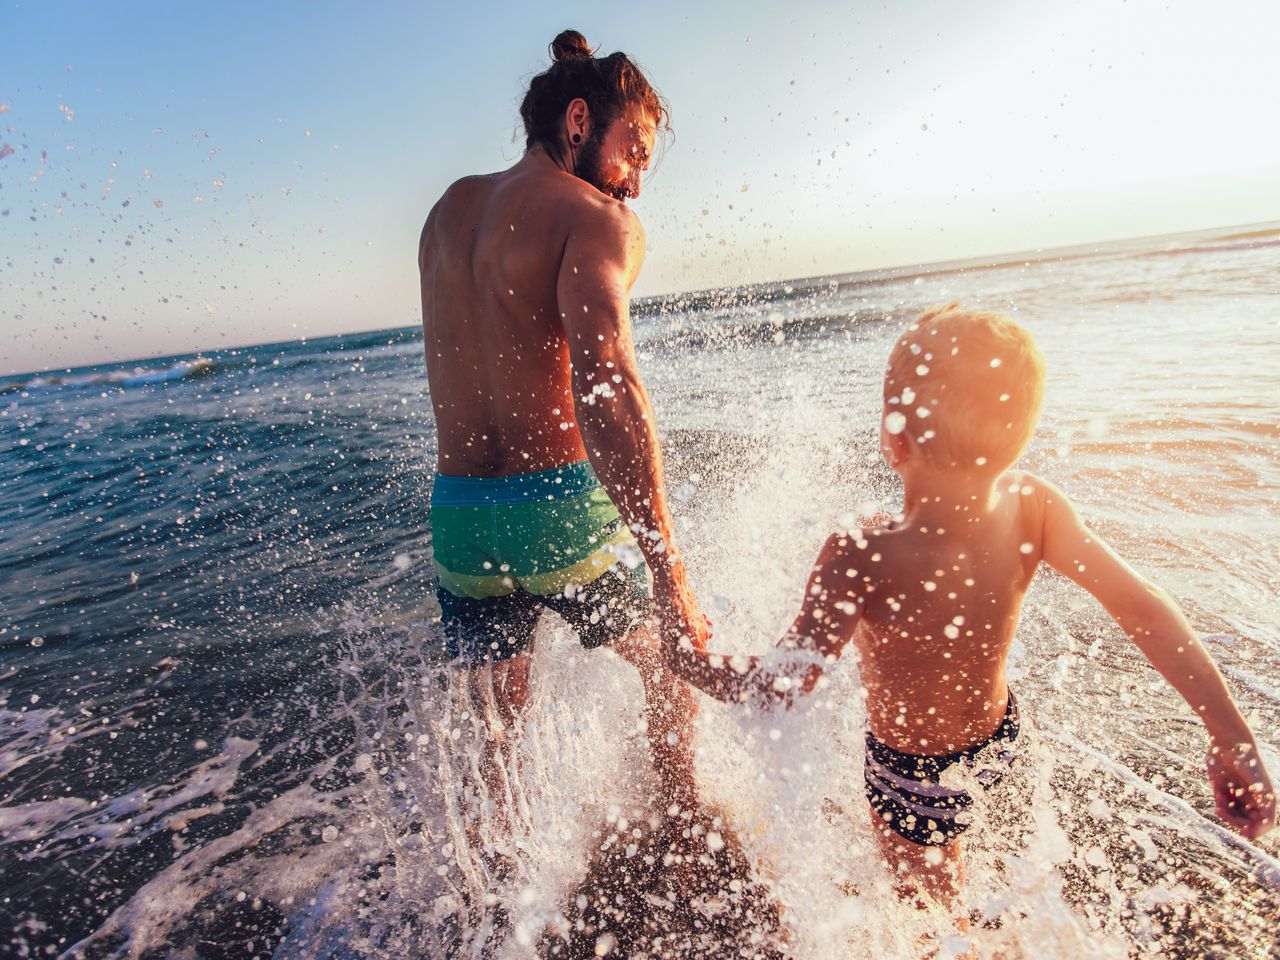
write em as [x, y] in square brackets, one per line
[828, 615]
[1245, 798]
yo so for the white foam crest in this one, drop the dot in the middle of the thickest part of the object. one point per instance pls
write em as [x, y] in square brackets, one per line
[138, 376]
[129, 817]
[151, 918]
[27, 736]
[1165, 810]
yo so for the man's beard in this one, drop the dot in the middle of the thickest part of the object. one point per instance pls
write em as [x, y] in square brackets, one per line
[587, 167]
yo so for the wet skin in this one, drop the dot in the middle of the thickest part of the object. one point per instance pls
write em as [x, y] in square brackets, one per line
[504, 259]
[526, 277]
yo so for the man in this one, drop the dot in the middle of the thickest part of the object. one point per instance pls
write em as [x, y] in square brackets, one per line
[549, 491]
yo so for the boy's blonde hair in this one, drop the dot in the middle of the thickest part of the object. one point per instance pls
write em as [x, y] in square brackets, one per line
[966, 387]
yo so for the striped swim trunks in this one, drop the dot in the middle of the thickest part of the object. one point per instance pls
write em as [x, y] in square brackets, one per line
[507, 548]
[904, 791]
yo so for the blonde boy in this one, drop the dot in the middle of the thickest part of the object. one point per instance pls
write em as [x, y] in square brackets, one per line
[931, 600]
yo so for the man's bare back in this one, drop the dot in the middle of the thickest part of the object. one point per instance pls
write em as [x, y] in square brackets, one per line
[491, 258]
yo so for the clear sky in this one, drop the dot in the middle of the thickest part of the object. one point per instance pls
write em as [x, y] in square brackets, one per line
[176, 176]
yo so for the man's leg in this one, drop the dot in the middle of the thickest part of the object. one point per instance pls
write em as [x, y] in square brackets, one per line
[496, 695]
[669, 710]
[490, 639]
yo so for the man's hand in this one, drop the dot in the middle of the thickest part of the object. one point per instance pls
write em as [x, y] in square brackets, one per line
[1245, 798]
[677, 608]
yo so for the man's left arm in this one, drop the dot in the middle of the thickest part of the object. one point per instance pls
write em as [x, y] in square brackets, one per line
[829, 614]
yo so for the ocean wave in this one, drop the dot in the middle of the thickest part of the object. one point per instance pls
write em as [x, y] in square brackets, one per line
[1250, 241]
[750, 326]
[137, 377]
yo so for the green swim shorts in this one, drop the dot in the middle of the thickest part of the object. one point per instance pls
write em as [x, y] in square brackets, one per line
[506, 548]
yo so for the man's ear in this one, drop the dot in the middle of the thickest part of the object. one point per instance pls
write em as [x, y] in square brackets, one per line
[577, 120]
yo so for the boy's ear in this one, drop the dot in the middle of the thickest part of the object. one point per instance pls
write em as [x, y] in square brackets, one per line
[895, 447]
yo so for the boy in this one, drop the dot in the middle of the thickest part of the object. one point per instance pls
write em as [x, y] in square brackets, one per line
[931, 599]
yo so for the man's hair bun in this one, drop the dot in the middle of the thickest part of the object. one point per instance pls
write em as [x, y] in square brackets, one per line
[570, 45]
[610, 85]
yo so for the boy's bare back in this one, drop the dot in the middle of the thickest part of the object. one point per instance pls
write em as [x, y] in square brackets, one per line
[940, 591]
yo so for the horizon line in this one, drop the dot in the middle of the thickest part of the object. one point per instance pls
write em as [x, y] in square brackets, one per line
[876, 274]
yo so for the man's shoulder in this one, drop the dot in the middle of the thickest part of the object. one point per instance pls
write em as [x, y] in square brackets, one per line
[592, 211]
[574, 204]
[457, 195]
[463, 189]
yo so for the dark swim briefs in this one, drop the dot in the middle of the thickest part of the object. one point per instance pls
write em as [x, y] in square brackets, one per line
[904, 791]
[507, 548]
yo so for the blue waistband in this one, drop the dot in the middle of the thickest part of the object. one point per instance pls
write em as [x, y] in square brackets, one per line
[554, 484]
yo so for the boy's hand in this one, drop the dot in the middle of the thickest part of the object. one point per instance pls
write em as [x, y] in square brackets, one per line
[880, 519]
[1245, 798]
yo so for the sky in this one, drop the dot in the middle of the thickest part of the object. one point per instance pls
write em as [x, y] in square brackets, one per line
[185, 177]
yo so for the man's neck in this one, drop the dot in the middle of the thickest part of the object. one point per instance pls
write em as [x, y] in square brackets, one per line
[538, 155]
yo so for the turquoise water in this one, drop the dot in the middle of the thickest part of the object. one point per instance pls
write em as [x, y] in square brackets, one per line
[223, 717]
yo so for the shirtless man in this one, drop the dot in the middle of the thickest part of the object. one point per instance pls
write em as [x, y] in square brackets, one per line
[549, 490]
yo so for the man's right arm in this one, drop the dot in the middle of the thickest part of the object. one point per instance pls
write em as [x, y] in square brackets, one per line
[602, 258]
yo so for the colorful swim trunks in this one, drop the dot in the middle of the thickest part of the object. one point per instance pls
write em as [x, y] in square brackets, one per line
[904, 791]
[507, 548]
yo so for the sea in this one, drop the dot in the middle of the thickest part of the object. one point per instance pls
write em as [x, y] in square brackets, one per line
[227, 728]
